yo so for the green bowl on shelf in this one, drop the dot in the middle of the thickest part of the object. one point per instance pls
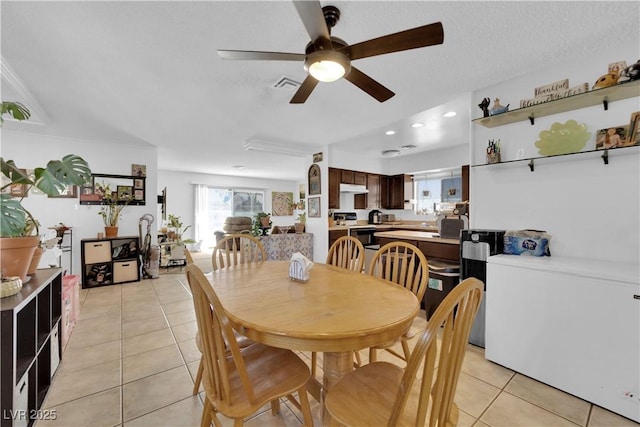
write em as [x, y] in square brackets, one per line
[563, 138]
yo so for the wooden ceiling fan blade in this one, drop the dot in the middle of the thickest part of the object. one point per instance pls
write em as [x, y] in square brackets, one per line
[427, 35]
[304, 90]
[369, 85]
[260, 56]
[310, 13]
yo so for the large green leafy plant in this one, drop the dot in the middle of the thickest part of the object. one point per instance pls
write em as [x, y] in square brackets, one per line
[51, 180]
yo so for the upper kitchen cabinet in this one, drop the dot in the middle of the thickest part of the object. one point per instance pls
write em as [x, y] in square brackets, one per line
[409, 197]
[370, 200]
[347, 177]
[373, 185]
[334, 188]
[353, 177]
[392, 192]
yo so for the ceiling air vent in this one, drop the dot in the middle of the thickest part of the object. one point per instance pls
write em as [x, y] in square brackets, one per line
[286, 83]
[390, 153]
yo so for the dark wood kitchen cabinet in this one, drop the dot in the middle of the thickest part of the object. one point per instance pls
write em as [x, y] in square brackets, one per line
[336, 234]
[370, 200]
[346, 177]
[392, 192]
[359, 178]
[353, 177]
[373, 185]
[334, 188]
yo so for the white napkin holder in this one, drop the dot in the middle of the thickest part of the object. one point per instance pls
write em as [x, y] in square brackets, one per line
[299, 267]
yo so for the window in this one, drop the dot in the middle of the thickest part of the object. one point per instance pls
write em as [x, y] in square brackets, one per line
[436, 192]
[225, 202]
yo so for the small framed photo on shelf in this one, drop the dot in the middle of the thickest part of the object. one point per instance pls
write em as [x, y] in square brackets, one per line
[612, 137]
[138, 184]
[125, 192]
[70, 192]
[139, 170]
[138, 195]
[314, 207]
[633, 134]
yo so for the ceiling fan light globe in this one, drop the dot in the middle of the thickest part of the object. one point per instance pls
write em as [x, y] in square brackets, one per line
[327, 66]
[326, 71]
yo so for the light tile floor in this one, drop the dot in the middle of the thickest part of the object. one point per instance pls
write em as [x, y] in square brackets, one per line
[132, 358]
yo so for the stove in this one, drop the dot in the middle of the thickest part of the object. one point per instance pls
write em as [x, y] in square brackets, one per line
[345, 218]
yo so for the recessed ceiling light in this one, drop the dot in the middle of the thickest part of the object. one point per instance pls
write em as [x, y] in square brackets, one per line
[449, 114]
[408, 147]
[238, 166]
[390, 153]
[417, 125]
[390, 132]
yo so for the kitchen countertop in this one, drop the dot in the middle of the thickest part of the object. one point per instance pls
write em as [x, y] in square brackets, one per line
[416, 235]
[387, 227]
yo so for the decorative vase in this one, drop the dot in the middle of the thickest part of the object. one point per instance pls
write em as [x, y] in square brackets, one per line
[299, 227]
[16, 254]
[110, 231]
[177, 251]
[35, 260]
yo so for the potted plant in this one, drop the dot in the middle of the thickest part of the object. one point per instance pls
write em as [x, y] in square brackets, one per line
[111, 209]
[300, 222]
[261, 224]
[176, 228]
[18, 240]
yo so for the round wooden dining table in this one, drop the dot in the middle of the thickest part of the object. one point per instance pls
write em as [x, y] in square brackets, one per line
[336, 312]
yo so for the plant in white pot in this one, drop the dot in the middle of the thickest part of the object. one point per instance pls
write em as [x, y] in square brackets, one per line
[177, 229]
[18, 236]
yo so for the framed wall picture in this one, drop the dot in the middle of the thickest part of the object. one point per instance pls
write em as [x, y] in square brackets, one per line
[138, 184]
[282, 203]
[139, 170]
[314, 207]
[138, 195]
[16, 190]
[125, 192]
[70, 192]
[314, 180]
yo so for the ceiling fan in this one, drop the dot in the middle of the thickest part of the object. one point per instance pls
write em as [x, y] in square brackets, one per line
[328, 58]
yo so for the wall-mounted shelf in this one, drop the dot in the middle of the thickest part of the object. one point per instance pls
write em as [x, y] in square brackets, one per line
[582, 100]
[135, 186]
[530, 161]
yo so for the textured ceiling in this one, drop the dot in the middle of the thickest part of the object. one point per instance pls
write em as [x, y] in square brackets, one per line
[147, 73]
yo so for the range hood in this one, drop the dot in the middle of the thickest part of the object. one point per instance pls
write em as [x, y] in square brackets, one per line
[355, 189]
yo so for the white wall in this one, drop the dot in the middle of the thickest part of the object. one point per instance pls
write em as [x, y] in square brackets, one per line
[30, 151]
[591, 210]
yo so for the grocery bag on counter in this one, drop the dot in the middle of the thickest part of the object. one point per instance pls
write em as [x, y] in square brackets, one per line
[527, 242]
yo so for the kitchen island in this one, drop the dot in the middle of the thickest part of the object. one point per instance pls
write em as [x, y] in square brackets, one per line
[431, 244]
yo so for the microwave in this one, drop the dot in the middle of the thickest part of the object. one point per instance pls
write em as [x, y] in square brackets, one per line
[388, 217]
